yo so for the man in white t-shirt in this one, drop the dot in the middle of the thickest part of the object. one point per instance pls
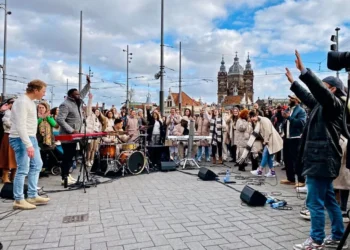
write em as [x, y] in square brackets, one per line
[23, 141]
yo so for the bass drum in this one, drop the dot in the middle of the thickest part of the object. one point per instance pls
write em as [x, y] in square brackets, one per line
[134, 161]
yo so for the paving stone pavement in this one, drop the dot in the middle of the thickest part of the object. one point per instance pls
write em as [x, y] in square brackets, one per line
[157, 211]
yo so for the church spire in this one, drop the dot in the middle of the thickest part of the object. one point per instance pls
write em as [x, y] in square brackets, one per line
[222, 67]
[248, 66]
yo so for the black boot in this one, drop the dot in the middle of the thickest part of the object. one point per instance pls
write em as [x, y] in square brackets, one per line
[241, 168]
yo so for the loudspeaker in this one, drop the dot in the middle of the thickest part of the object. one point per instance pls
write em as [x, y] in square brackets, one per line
[206, 174]
[7, 191]
[167, 165]
[252, 197]
[157, 154]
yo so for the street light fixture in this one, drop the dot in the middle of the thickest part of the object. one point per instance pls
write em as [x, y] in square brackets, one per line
[4, 7]
[128, 60]
[335, 47]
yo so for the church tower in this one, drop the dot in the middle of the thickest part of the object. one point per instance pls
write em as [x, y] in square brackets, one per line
[222, 82]
[248, 78]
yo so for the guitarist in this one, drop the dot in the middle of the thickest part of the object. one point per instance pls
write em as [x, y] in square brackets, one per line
[70, 119]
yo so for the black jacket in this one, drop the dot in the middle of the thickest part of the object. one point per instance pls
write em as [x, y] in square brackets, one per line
[151, 122]
[320, 153]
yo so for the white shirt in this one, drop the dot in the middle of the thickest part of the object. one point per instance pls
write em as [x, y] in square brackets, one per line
[24, 120]
[156, 128]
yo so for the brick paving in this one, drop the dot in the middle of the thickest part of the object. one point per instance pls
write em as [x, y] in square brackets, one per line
[157, 211]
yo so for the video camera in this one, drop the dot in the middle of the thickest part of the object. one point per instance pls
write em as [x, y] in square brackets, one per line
[338, 60]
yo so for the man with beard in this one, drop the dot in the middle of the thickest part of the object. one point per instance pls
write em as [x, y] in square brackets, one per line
[293, 127]
[70, 118]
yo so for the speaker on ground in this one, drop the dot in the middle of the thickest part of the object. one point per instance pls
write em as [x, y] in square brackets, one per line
[167, 166]
[252, 197]
[157, 154]
[206, 174]
[7, 191]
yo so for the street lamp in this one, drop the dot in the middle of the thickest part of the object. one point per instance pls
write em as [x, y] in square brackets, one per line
[4, 7]
[335, 47]
[128, 60]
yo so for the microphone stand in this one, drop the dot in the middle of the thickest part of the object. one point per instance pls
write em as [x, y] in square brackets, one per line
[83, 169]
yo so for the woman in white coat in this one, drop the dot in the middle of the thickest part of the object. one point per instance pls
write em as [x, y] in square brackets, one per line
[272, 143]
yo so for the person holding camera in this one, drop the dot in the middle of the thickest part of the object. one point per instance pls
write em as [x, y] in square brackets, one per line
[320, 152]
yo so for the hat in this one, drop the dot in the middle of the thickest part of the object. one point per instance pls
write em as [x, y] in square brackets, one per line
[335, 82]
[235, 108]
[294, 97]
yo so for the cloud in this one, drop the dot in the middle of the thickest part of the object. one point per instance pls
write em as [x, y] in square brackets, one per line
[43, 42]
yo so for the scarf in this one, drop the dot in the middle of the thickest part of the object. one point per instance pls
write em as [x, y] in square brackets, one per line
[215, 132]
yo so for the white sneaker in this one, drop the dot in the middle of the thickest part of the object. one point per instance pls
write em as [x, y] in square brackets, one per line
[256, 172]
[270, 174]
[301, 190]
[305, 214]
[69, 182]
[71, 178]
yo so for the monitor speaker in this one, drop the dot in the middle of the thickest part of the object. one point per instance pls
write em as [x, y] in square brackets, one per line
[206, 174]
[167, 166]
[157, 154]
[252, 197]
[7, 191]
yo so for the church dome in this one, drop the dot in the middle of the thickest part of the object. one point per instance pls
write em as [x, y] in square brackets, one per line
[236, 68]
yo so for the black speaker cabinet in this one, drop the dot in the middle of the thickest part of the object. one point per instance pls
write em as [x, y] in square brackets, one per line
[206, 174]
[252, 197]
[7, 191]
[157, 154]
[167, 166]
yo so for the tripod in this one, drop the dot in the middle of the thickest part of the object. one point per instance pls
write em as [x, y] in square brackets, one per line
[83, 172]
[345, 235]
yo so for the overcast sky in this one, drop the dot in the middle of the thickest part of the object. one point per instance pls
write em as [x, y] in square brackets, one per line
[43, 42]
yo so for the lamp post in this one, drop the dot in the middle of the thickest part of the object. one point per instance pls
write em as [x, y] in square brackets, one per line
[161, 92]
[335, 47]
[81, 50]
[4, 7]
[128, 60]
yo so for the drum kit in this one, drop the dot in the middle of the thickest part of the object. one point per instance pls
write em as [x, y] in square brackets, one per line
[130, 157]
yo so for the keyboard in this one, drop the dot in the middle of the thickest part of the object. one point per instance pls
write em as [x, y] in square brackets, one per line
[185, 137]
[77, 137]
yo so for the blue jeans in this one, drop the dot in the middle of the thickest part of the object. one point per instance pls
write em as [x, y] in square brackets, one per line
[26, 167]
[266, 158]
[320, 195]
[200, 152]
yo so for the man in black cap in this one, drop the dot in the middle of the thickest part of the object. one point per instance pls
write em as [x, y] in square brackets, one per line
[320, 152]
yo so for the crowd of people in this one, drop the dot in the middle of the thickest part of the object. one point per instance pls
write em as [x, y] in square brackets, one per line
[311, 146]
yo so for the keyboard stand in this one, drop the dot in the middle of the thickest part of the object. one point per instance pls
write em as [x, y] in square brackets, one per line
[188, 157]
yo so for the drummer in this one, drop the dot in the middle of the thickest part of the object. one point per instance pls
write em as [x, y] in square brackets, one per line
[122, 138]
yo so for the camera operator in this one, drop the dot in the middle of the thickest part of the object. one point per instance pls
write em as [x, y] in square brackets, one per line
[321, 153]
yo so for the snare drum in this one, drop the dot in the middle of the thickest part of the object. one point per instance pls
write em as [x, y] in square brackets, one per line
[107, 150]
[134, 161]
[129, 146]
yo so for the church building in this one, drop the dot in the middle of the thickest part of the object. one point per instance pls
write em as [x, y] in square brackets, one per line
[235, 87]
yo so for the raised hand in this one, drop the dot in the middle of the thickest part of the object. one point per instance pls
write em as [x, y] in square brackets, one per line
[298, 62]
[88, 79]
[90, 96]
[289, 76]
